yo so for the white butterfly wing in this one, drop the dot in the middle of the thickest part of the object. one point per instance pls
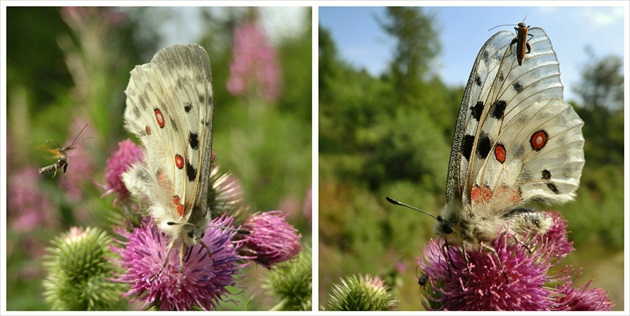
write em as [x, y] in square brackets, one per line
[552, 173]
[513, 103]
[170, 108]
[480, 80]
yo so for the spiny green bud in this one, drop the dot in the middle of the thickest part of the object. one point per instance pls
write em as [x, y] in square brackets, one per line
[78, 272]
[291, 281]
[360, 293]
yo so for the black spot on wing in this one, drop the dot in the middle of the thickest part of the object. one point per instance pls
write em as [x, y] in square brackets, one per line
[209, 101]
[498, 109]
[190, 172]
[202, 98]
[546, 175]
[553, 188]
[467, 146]
[483, 146]
[174, 124]
[144, 99]
[485, 56]
[193, 140]
[517, 87]
[477, 110]
[187, 107]
[478, 80]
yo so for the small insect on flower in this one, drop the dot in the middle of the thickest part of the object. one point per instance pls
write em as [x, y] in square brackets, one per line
[422, 279]
[62, 156]
[521, 41]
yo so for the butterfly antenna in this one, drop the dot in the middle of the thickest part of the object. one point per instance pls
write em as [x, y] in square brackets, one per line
[238, 230]
[390, 200]
[507, 24]
[203, 244]
[75, 139]
[500, 26]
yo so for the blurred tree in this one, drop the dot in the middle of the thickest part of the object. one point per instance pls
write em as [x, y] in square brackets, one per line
[601, 91]
[36, 64]
[297, 69]
[328, 62]
[417, 44]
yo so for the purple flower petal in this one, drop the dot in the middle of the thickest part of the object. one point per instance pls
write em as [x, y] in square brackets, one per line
[203, 281]
[535, 280]
[117, 164]
[271, 239]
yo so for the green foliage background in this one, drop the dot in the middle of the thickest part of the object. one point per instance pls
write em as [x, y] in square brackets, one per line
[62, 75]
[391, 135]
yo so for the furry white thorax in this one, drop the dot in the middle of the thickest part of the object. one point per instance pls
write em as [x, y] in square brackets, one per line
[469, 228]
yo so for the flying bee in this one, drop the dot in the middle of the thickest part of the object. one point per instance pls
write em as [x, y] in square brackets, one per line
[62, 156]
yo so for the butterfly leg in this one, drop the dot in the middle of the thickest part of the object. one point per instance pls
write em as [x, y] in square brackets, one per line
[529, 250]
[447, 256]
[466, 261]
[496, 256]
[203, 244]
[184, 252]
[168, 254]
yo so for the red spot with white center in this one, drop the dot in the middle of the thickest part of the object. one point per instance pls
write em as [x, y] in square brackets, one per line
[180, 207]
[539, 140]
[179, 161]
[499, 153]
[159, 117]
[480, 194]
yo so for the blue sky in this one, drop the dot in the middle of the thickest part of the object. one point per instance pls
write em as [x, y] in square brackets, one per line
[463, 30]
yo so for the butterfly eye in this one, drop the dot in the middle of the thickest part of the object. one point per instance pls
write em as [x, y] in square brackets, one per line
[191, 233]
[446, 227]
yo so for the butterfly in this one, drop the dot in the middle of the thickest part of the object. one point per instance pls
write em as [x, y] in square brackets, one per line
[62, 156]
[516, 141]
[170, 109]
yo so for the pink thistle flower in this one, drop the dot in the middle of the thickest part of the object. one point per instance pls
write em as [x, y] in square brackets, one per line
[581, 299]
[127, 154]
[271, 239]
[28, 208]
[558, 234]
[203, 280]
[478, 283]
[227, 193]
[375, 282]
[254, 64]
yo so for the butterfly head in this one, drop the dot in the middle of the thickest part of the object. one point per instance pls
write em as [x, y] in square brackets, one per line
[443, 226]
[190, 233]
